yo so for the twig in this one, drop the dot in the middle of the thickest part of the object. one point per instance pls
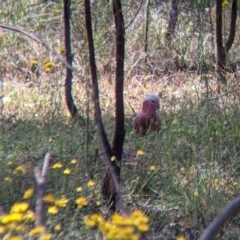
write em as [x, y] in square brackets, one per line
[131, 108]
[215, 98]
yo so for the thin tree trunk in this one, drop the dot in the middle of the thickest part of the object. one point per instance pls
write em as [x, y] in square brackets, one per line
[221, 52]
[221, 49]
[111, 186]
[146, 31]
[173, 17]
[119, 134]
[69, 73]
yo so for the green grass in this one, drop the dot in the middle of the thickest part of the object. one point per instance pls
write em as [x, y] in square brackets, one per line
[196, 152]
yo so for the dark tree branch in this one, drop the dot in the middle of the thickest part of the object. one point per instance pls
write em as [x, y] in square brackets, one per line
[69, 73]
[173, 17]
[230, 211]
[119, 81]
[221, 49]
[146, 30]
[232, 25]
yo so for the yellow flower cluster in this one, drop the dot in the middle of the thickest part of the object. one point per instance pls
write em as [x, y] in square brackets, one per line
[48, 66]
[33, 62]
[67, 170]
[120, 227]
[62, 50]
[225, 3]
[81, 202]
[18, 219]
[140, 152]
[55, 10]
[20, 170]
[55, 204]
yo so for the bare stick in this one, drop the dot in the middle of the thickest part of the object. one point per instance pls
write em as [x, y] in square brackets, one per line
[40, 179]
[230, 211]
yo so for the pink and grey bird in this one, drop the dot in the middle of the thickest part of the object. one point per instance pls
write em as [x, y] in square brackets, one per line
[148, 118]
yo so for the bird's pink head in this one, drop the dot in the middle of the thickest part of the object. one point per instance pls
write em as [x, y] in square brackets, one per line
[150, 103]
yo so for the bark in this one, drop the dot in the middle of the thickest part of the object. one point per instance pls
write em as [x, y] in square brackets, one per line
[111, 189]
[146, 30]
[69, 72]
[173, 17]
[40, 180]
[221, 49]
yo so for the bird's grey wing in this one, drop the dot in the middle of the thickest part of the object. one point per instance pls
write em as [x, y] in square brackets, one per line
[159, 120]
[136, 119]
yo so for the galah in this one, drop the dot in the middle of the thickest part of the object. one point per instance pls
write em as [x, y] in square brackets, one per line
[148, 118]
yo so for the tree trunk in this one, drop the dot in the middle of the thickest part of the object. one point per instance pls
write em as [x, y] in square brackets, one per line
[173, 17]
[221, 49]
[69, 73]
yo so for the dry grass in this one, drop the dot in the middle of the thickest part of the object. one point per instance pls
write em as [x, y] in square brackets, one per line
[196, 153]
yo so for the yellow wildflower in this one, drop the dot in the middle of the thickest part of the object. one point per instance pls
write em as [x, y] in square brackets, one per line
[10, 163]
[73, 161]
[52, 210]
[20, 228]
[48, 64]
[79, 189]
[62, 202]
[152, 168]
[33, 62]
[20, 169]
[55, 10]
[12, 217]
[143, 227]
[7, 179]
[89, 222]
[15, 238]
[140, 152]
[117, 219]
[46, 236]
[28, 193]
[182, 169]
[81, 202]
[48, 70]
[196, 194]
[90, 183]
[62, 50]
[58, 227]
[29, 216]
[49, 198]
[12, 226]
[20, 207]
[181, 238]
[225, 3]
[36, 231]
[67, 171]
[2, 229]
[57, 165]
